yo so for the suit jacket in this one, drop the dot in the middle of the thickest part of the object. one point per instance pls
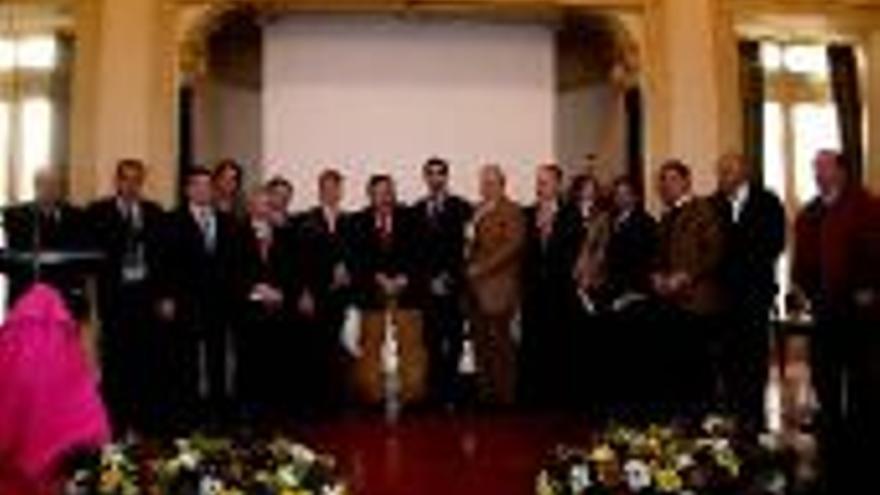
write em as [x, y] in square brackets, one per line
[632, 248]
[837, 250]
[548, 265]
[394, 256]
[442, 238]
[202, 283]
[277, 267]
[494, 259]
[752, 248]
[65, 230]
[112, 234]
[322, 251]
[692, 241]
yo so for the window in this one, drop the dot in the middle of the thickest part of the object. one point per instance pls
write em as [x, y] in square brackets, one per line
[814, 127]
[799, 120]
[31, 53]
[36, 139]
[5, 152]
[27, 66]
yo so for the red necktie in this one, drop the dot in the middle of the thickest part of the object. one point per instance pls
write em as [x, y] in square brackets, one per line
[385, 227]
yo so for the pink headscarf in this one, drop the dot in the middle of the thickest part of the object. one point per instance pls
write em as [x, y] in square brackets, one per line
[49, 401]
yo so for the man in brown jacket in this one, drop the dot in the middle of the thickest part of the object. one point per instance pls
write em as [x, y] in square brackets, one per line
[686, 281]
[496, 238]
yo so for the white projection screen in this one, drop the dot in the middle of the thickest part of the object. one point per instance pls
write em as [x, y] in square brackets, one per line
[378, 94]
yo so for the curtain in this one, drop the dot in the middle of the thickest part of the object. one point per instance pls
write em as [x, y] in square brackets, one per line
[60, 99]
[185, 129]
[751, 83]
[845, 92]
[635, 144]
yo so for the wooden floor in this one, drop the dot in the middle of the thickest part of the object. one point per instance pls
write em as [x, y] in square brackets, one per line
[441, 454]
[498, 454]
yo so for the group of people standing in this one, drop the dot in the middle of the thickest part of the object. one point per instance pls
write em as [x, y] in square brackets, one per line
[582, 299]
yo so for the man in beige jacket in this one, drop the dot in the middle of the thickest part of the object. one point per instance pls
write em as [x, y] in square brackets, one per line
[496, 237]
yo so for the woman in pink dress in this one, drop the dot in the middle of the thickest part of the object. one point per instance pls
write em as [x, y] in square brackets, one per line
[49, 402]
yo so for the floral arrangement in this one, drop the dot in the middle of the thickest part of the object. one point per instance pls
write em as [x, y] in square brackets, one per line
[207, 466]
[660, 460]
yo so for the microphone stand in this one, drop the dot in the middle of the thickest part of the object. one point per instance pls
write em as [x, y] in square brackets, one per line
[36, 244]
[390, 357]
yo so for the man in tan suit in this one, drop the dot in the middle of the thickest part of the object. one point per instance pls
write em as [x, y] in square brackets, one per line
[686, 280]
[496, 237]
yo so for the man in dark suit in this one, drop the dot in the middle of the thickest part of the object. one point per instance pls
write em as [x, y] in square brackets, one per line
[686, 281]
[197, 295]
[49, 223]
[270, 295]
[753, 220]
[385, 250]
[279, 195]
[326, 237]
[554, 234]
[126, 228]
[632, 244]
[388, 284]
[630, 323]
[442, 217]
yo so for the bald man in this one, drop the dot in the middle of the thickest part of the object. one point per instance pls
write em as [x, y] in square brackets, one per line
[496, 239]
[835, 266]
[753, 222]
[48, 222]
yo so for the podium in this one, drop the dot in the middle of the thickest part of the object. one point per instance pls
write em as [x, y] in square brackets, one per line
[65, 270]
[411, 355]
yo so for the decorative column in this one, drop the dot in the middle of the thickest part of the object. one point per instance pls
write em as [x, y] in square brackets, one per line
[691, 79]
[126, 94]
[872, 99]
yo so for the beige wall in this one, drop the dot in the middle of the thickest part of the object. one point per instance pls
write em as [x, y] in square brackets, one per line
[128, 59]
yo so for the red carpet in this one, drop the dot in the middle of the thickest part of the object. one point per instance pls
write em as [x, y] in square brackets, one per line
[444, 454]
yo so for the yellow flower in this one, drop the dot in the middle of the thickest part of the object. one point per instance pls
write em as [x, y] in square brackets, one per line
[727, 459]
[603, 454]
[668, 480]
[110, 480]
[543, 485]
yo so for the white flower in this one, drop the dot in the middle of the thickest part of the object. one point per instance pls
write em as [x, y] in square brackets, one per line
[543, 485]
[210, 486]
[302, 454]
[720, 445]
[713, 424]
[188, 460]
[287, 477]
[333, 490]
[579, 478]
[637, 475]
[684, 461]
[113, 456]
